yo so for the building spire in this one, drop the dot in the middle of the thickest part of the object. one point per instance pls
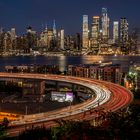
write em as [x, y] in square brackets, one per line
[54, 28]
[46, 26]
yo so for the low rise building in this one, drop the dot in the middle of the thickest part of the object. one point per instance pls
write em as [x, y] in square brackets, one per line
[47, 69]
[101, 71]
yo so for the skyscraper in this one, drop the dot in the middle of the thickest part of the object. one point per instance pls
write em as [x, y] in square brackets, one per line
[62, 39]
[85, 41]
[115, 31]
[50, 39]
[95, 30]
[5, 42]
[105, 24]
[95, 27]
[124, 36]
[78, 41]
[123, 30]
[1, 30]
[46, 27]
[43, 38]
[54, 29]
[13, 33]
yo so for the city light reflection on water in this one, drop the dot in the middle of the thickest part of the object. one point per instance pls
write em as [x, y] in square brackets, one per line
[63, 61]
[92, 59]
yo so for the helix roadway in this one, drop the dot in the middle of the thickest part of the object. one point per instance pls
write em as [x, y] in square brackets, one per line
[109, 97]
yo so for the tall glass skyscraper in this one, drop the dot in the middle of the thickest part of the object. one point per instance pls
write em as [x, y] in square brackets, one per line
[105, 23]
[85, 34]
[54, 29]
[95, 30]
[13, 33]
[62, 39]
[124, 36]
[115, 31]
[95, 27]
[123, 30]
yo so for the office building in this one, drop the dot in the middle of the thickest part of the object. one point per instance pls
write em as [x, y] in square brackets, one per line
[95, 32]
[54, 29]
[105, 24]
[115, 31]
[43, 38]
[78, 41]
[13, 34]
[104, 71]
[85, 41]
[62, 39]
[95, 27]
[124, 36]
[50, 37]
[123, 30]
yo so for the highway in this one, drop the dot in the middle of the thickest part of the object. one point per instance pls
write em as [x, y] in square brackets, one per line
[109, 97]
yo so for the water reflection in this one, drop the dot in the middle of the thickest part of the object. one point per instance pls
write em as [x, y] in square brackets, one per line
[91, 59]
[62, 63]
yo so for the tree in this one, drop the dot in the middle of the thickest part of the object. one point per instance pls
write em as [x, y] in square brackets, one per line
[2, 132]
[5, 122]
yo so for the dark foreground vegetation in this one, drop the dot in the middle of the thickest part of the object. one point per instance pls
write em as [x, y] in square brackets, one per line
[124, 125]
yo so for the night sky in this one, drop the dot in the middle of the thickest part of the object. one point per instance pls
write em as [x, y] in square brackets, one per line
[67, 13]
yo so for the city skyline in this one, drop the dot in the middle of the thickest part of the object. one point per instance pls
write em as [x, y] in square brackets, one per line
[39, 13]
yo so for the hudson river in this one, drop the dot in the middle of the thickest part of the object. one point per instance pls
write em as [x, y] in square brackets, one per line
[63, 61]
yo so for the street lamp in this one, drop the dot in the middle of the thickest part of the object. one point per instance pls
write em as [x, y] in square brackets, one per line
[70, 104]
[26, 109]
[70, 107]
[98, 103]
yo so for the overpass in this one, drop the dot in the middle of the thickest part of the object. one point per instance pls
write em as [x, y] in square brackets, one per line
[109, 97]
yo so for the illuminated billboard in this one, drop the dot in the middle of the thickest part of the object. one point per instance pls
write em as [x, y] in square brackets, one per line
[62, 96]
[69, 97]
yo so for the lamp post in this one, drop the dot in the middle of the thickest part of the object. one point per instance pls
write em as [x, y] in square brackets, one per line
[98, 103]
[70, 107]
[26, 109]
[45, 70]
